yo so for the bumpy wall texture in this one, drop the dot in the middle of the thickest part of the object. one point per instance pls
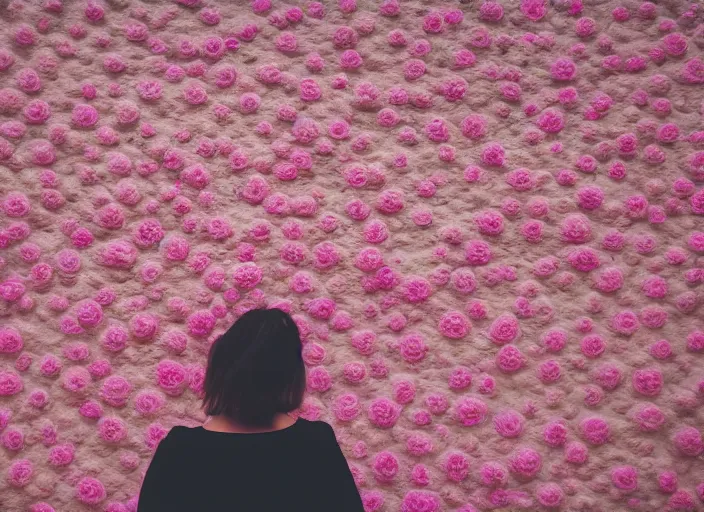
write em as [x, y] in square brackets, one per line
[486, 218]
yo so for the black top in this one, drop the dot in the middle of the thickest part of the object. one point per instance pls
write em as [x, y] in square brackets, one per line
[299, 468]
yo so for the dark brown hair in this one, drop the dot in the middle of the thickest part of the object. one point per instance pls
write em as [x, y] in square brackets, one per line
[255, 370]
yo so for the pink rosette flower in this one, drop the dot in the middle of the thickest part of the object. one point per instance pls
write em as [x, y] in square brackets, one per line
[412, 348]
[456, 466]
[144, 326]
[346, 407]
[112, 430]
[383, 413]
[525, 463]
[509, 359]
[420, 501]
[454, 325]
[555, 434]
[20, 473]
[470, 411]
[688, 441]
[625, 478]
[385, 466]
[318, 380]
[11, 340]
[509, 424]
[595, 430]
[504, 329]
[437, 130]
[115, 391]
[172, 377]
[90, 491]
[489, 222]
[478, 252]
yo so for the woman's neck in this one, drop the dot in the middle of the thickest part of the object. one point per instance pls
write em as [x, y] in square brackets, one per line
[220, 423]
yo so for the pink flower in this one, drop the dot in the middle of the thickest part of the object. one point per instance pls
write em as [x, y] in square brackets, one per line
[550, 495]
[551, 121]
[534, 10]
[469, 411]
[319, 380]
[112, 430]
[61, 455]
[583, 259]
[549, 372]
[454, 325]
[437, 131]
[478, 252]
[593, 345]
[76, 380]
[305, 130]
[171, 377]
[115, 391]
[383, 413]
[201, 323]
[433, 23]
[20, 473]
[144, 326]
[576, 453]
[595, 430]
[346, 407]
[491, 11]
[675, 44]
[84, 116]
[489, 223]
[509, 424]
[504, 329]
[420, 501]
[454, 89]
[464, 59]
[10, 340]
[509, 359]
[576, 229]
[345, 37]
[692, 71]
[372, 501]
[354, 372]
[608, 376]
[625, 323]
[688, 441]
[385, 466]
[563, 69]
[493, 154]
[413, 348]
[350, 59]
[310, 90]
[555, 434]
[148, 402]
[456, 467]
[90, 491]
[525, 463]
[649, 418]
[521, 179]
[554, 340]
[195, 94]
[647, 381]
[314, 62]
[625, 478]
[683, 500]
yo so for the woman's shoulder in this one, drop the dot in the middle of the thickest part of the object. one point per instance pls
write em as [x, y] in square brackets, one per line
[180, 432]
[316, 430]
[313, 426]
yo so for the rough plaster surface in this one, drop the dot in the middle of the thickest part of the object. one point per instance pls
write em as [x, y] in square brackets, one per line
[486, 218]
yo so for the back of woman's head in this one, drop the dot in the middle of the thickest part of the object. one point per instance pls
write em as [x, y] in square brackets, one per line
[255, 370]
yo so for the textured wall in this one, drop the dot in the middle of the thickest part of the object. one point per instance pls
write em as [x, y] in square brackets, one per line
[487, 222]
